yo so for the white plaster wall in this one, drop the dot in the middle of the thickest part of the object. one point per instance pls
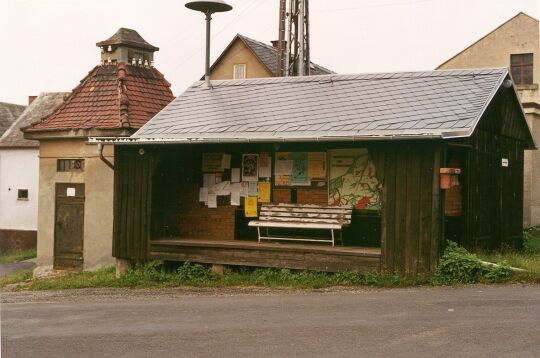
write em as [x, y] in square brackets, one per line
[19, 169]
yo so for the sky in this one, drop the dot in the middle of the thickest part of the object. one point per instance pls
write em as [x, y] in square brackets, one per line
[49, 45]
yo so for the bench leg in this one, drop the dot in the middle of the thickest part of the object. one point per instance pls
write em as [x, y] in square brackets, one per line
[341, 237]
[333, 241]
[259, 234]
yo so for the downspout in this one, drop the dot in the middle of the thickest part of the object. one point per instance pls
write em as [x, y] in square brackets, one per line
[102, 157]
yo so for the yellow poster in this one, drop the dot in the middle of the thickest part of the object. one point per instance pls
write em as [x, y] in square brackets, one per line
[250, 207]
[264, 192]
[317, 165]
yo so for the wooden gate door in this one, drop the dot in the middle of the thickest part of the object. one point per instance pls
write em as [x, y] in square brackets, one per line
[69, 226]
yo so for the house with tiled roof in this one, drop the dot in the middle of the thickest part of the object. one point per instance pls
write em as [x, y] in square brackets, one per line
[19, 176]
[514, 44]
[248, 58]
[115, 98]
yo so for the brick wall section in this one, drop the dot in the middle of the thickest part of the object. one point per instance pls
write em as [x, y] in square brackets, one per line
[452, 196]
[281, 196]
[197, 221]
[312, 196]
[452, 202]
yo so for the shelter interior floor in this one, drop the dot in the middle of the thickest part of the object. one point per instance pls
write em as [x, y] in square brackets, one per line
[267, 254]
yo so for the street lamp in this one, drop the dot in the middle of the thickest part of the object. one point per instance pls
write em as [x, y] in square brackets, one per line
[208, 8]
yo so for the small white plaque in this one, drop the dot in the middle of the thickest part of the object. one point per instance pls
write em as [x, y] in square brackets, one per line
[504, 162]
[70, 192]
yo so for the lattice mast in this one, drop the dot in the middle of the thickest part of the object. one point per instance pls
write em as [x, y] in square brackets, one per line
[293, 46]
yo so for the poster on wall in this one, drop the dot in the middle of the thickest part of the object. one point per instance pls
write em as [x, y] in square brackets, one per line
[299, 175]
[212, 162]
[317, 165]
[263, 193]
[250, 207]
[250, 167]
[353, 179]
[265, 166]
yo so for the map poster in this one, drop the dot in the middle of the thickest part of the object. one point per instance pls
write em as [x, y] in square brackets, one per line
[317, 165]
[299, 174]
[250, 167]
[250, 207]
[353, 179]
[212, 162]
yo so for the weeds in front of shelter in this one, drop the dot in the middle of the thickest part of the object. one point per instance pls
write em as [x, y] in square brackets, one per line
[456, 266]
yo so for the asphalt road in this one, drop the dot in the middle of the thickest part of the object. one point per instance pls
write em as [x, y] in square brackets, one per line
[476, 321]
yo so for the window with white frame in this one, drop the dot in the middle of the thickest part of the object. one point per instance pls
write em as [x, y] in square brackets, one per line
[239, 71]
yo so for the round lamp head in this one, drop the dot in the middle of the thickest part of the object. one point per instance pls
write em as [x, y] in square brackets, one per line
[209, 6]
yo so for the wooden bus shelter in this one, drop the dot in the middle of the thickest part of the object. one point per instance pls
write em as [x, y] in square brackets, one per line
[421, 156]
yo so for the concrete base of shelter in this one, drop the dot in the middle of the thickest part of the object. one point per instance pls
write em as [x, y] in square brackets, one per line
[122, 267]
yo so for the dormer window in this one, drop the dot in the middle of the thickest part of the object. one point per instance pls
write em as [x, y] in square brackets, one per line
[521, 66]
[239, 71]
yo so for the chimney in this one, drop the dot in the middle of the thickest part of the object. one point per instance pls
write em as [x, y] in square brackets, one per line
[275, 44]
[31, 99]
[127, 46]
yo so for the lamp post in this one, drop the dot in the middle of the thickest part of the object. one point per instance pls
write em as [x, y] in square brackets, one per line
[208, 8]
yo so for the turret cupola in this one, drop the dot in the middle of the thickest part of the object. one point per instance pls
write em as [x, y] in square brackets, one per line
[127, 46]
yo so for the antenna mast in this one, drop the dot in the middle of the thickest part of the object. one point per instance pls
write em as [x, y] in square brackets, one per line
[295, 51]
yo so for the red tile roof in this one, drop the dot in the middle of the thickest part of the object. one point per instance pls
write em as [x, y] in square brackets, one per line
[110, 97]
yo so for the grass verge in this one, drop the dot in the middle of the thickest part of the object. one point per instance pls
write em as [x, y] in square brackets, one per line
[154, 275]
[16, 256]
[457, 266]
[16, 278]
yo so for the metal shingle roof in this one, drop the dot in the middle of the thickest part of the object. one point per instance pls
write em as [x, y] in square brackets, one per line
[430, 103]
[268, 56]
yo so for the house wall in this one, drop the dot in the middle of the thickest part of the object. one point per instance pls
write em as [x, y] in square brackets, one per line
[239, 53]
[98, 206]
[519, 35]
[19, 169]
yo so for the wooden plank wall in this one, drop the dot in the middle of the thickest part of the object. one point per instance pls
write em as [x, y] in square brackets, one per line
[412, 210]
[495, 208]
[132, 198]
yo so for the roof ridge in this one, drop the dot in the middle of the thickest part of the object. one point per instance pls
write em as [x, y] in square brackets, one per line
[359, 76]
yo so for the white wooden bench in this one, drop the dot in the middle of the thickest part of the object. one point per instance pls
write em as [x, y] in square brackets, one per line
[303, 216]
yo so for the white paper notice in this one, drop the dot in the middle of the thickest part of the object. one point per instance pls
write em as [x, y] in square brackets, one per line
[221, 189]
[244, 188]
[203, 194]
[235, 175]
[253, 188]
[236, 188]
[209, 180]
[235, 198]
[226, 161]
[212, 201]
[70, 192]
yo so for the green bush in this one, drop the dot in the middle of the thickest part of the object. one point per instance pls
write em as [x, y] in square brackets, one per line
[457, 265]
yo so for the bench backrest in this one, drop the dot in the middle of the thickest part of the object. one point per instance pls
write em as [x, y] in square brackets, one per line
[306, 213]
